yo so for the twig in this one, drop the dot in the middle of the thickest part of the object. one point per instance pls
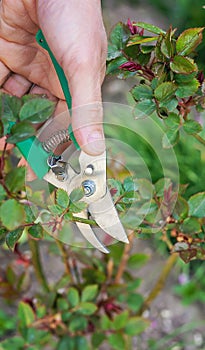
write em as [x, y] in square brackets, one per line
[161, 281]
[124, 259]
[200, 139]
[33, 244]
[64, 258]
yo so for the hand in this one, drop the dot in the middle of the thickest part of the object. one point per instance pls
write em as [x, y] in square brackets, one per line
[75, 33]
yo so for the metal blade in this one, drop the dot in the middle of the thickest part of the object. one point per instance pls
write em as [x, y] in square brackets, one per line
[104, 213]
[89, 234]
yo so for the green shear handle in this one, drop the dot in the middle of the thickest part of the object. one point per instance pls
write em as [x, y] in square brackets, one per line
[31, 148]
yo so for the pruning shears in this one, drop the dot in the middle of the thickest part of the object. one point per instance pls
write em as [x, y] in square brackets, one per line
[91, 175]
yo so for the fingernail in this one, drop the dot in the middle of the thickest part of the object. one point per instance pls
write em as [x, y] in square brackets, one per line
[96, 143]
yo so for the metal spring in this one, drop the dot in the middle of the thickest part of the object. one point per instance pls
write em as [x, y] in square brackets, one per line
[60, 137]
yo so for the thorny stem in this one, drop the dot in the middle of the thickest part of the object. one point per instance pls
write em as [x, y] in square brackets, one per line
[161, 281]
[124, 259]
[36, 261]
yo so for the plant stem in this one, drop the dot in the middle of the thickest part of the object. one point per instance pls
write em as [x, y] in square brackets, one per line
[65, 258]
[199, 138]
[124, 259]
[84, 221]
[37, 264]
[161, 281]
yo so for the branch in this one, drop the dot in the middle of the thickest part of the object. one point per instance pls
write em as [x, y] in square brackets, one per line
[124, 259]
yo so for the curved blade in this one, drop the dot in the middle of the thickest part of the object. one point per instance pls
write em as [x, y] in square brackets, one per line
[89, 234]
[104, 213]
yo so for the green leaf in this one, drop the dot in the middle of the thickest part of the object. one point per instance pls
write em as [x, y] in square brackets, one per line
[188, 89]
[66, 343]
[142, 91]
[37, 110]
[165, 91]
[3, 233]
[81, 343]
[12, 214]
[26, 315]
[135, 301]
[190, 225]
[136, 325]
[181, 208]
[105, 323]
[188, 40]
[56, 209]
[183, 65]
[86, 308]
[89, 292]
[119, 35]
[137, 260]
[184, 78]
[77, 207]
[173, 121]
[97, 339]
[73, 297]
[13, 237]
[138, 39]
[145, 188]
[21, 131]
[15, 179]
[144, 108]
[9, 108]
[113, 52]
[197, 205]
[62, 198]
[117, 341]
[192, 127]
[76, 194]
[113, 66]
[170, 138]
[2, 193]
[120, 320]
[150, 28]
[36, 231]
[79, 323]
[62, 304]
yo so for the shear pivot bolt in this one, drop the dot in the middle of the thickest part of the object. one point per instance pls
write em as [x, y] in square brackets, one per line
[89, 187]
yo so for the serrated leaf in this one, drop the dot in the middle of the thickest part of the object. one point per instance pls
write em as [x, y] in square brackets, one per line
[120, 320]
[190, 225]
[192, 127]
[117, 341]
[3, 233]
[188, 89]
[165, 91]
[138, 39]
[79, 323]
[26, 315]
[173, 121]
[136, 325]
[97, 339]
[12, 214]
[87, 308]
[137, 260]
[183, 65]
[36, 231]
[197, 205]
[113, 52]
[13, 237]
[15, 179]
[144, 109]
[9, 107]
[76, 195]
[62, 198]
[56, 209]
[184, 78]
[21, 131]
[170, 138]
[142, 91]
[181, 208]
[113, 66]
[73, 297]
[77, 207]
[150, 27]
[89, 292]
[135, 301]
[37, 110]
[188, 40]
[119, 35]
